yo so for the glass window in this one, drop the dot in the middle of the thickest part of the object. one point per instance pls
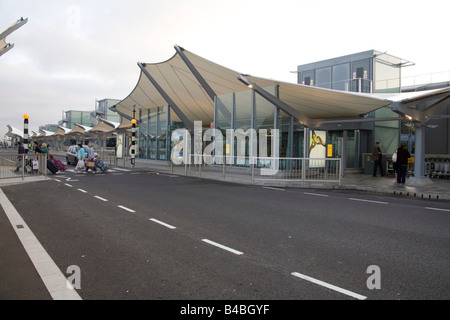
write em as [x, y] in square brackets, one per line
[243, 112]
[323, 77]
[162, 133]
[224, 105]
[341, 77]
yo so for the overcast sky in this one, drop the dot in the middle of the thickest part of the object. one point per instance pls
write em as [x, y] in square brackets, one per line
[71, 53]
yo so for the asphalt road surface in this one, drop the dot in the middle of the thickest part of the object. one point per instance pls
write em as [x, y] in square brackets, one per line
[146, 235]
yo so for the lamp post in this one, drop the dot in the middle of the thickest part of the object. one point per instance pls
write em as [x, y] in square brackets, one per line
[25, 131]
[133, 138]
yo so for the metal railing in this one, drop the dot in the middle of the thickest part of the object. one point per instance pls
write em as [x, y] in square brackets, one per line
[22, 166]
[266, 170]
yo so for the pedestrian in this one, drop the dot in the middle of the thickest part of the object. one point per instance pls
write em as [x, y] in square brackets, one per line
[21, 158]
[35, 163]
[402, 163]
[36, 148]
[394, 165]
[81, 155]
[90, 156]
[44, 149]
[377, 159]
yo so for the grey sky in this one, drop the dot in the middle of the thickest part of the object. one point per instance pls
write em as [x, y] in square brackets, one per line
[73, 52]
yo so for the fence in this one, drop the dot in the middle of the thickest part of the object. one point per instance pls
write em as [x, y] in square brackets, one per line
[13, 165]
[266, 170]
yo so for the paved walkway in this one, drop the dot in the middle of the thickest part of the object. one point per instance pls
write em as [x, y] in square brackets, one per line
[436, 189]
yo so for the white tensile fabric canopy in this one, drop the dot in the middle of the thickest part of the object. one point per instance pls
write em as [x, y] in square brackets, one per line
[181, 85]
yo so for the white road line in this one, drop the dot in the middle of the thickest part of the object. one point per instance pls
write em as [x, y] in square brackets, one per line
[120, 169]
[125, 208]
[69, 185]
[163, 223]
[57, 180]
[272, 188]
[55, 281]
[222, 246]
[100, 198]
[315, 194]
[372, 201]
[437, 209]
[84, 191]
[329, 286]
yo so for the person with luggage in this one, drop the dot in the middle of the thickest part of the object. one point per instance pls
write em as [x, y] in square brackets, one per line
[91, 159]
[81, 155]
[35, 162]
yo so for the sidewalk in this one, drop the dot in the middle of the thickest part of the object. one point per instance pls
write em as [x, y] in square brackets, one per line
[435, 189]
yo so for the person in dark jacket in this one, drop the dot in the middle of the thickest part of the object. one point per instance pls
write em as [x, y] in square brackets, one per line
[402, 163]
[377, 159]
[21, 158]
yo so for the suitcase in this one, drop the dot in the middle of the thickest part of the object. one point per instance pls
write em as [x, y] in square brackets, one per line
[51, 167]
[61, 167]
[101, 165]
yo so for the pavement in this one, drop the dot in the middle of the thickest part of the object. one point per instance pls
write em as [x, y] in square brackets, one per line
[426, 188]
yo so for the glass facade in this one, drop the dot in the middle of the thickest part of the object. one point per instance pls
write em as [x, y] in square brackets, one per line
[239, 110]
[80, 117]
[155, 128]
[248, 110]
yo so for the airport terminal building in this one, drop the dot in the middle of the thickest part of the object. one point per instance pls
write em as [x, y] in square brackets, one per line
[347, 103]
[338, 109]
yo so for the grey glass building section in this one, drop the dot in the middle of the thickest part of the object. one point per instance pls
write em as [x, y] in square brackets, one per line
[364, 72]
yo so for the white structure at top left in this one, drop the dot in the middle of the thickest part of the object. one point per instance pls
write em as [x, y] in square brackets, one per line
[4, 46]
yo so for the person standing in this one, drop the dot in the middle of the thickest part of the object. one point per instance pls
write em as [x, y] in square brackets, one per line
[81, 155]
[44, 149]
[377, 159]
[402, 163]
[21, 158]
[90, 156]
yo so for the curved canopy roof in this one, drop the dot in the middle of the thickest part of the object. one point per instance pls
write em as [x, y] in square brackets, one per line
[14, 132]
[79, 128]
[181, 85]
[104, 125]
[178, 80]
[62, 131]
[46, 133]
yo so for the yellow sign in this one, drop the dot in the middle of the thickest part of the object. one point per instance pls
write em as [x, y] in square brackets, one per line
[329, 150]
[411, 160]
[227, 148]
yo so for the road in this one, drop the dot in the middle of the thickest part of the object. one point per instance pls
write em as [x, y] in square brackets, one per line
[148, 235]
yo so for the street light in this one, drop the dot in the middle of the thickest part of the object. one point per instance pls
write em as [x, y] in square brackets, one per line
[25, 131]
[133, 137]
